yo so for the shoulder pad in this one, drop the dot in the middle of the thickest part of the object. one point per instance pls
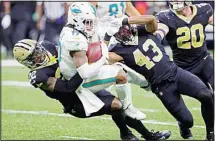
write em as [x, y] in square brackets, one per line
[164, 16]
[204, 8]
[75, 41]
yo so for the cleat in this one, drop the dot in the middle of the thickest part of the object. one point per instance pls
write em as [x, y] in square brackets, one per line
[210, 136]
[185, 132]
[129, 137]
[134, 113]
[159, 135]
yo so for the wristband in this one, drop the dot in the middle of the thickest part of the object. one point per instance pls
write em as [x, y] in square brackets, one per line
[107, 37]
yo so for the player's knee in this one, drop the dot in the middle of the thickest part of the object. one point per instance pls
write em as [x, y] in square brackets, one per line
[185, 118]
[121, 77]
[116, 104]
[188, 122]
[205, 96]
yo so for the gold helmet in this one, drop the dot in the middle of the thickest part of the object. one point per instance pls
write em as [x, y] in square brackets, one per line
[177, 5]
[29, 53]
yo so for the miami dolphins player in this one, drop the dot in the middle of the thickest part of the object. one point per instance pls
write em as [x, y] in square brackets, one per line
[74, 41]
[106, 9]
[183, 26]
[41, 59]
[143, 52]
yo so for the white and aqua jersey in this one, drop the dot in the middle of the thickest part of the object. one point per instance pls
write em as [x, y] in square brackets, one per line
[71, 40]
[110, 8]
[105, 9]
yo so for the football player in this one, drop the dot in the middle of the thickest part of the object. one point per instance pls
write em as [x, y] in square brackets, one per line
[143, 52]
[114, 8]
[105, 10]
[74, 41]
[183, 25]
[41, 59]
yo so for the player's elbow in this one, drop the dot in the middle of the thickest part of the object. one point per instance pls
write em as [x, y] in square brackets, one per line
[152, 26]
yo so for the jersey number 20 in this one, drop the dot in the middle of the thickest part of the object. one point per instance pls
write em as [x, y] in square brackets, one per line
[190, 34]
[142, 60]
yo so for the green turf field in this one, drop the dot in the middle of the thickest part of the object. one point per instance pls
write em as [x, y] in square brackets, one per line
[28, 114]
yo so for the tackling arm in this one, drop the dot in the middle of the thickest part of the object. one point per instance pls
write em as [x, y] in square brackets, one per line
[162, 31]
[63, 86]
[149, 21]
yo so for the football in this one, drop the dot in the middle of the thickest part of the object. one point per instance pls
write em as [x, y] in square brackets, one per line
[94, 52]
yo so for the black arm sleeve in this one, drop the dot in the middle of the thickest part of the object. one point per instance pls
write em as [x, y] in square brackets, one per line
[70, 86]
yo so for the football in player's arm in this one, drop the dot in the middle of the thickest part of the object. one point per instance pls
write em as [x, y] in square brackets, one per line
[40, 58]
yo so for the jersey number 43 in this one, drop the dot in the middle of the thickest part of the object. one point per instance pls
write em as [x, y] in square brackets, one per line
[142, 60]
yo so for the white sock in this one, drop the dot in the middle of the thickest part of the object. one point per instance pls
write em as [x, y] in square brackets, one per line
[124, 94]
[133, 76]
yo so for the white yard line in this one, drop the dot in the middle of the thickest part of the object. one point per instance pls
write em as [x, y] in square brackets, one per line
[76, 138]
[46, 113]
[10, 63]
[16, 83]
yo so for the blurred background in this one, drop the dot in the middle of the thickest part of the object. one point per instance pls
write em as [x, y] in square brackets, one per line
[44, 20]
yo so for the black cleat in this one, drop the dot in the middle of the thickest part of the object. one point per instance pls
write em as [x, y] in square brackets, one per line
[159, 135]
[185, 132]
[210, 136]
[129, 137]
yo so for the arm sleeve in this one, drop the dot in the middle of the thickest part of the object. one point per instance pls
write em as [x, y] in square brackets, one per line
[70, 86]
[89, 70]
[37, 78]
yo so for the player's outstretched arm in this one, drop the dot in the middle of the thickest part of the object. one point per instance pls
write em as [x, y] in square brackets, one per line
[63, 86]
[149, 21]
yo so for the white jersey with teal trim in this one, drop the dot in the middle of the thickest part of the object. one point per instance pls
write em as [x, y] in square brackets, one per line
[71, 40]
[105, 9]
[110, 8]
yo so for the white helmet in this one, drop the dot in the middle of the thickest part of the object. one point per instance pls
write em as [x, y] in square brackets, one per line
[179, 4]
[82, 15]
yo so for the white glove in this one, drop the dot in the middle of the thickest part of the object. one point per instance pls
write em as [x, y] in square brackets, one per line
[104, 48]
[6, 21]
[114, 26]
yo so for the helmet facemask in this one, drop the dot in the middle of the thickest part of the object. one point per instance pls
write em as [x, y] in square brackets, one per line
[38, 57]
[90, 27]
[126, 34]
[82, 15]
[178, 5]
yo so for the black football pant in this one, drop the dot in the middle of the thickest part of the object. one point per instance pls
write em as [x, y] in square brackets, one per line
[188, 84]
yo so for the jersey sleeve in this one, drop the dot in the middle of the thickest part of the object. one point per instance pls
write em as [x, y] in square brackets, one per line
[205, 9]
[75, 42]
[162, 17]
[37, 78]
[141, 30]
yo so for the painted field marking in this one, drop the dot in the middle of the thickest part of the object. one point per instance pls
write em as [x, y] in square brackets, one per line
[46, 113]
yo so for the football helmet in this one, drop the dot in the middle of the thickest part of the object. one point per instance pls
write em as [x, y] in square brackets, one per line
[30, 53]
[179, 4]
[126, 34]
[82, 15]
